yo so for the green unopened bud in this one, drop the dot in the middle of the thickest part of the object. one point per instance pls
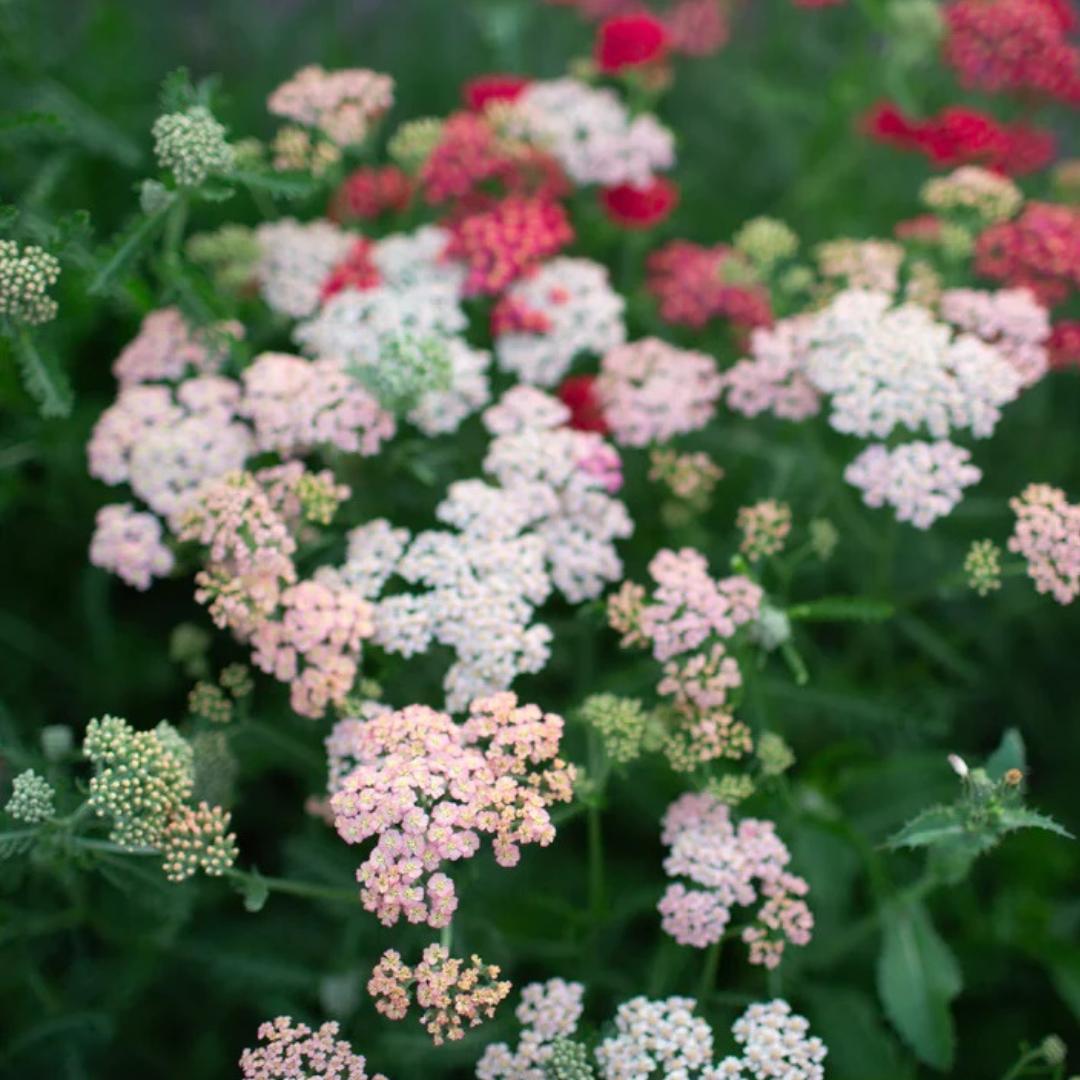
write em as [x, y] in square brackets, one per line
[32, 798]
[57, 741]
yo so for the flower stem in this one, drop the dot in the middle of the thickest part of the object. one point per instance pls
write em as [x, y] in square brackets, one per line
[313, 889]
[596, 863]
[446, 938]
[709, 969]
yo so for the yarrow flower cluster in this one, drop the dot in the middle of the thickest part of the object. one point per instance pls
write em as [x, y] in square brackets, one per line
[988, 195]
[198, 839]
[1047, 534]
[32, 798]
[982, 565]
[765, 527]
[686, 623]
[546, 320]
[651, 1038]
[291, 1051]
[429, 789]
[26, 275]
[691, 477]
[730, 865]
[342, 105]
[650, 391]
[454, 995]
[192, 145]
[129, 544]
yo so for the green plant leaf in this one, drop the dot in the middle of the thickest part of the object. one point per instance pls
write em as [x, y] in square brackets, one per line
[934, 825]
[917, 977]
[128, 246]
[842, 609]
[1020, 817]
[278, 185]
[43, 379]
[254, 890]
[1010, 754]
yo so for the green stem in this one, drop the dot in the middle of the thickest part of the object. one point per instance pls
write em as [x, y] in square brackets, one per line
[1021, 1065]
[596, 863]
[446, 938]
[709, 970]
[310, 889]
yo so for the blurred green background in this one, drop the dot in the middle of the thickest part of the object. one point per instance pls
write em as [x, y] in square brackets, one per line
[136, 977]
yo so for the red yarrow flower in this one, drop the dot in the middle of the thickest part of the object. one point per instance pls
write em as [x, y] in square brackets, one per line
[355, 271]
[640, 207]
[1064, 344]
[370, 192]
[1039, 250]
[630, 41]
[1013, 46]
[501, 244]
[923, 228]
[479, 92]
[697, 27]
[511, 315]
[578, 394]
[959, 136]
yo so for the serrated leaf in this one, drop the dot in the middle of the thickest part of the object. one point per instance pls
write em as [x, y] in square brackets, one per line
[43, 379]
[177, 93]
[935, 825]
[1010, 754]
[842, 609]
[1020, 817]
[36, 123]
[917, 978]
[16, 843]
[278, 185]
[127, 247]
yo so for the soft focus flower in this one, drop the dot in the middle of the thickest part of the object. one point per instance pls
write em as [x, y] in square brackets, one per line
[921, 481]
[630, 41]
[341, 104]
[544, 321]
[295, 1052]
[959, 135]
[1040, 250]
[989, 196]
[691, 477]
[191, 145]
[26, 275]
[129, 544]
[591, 133]
[1064, 344]
[168, 349]
[501, 244]
[635, 207]
[413, 141]
[775, 1042]
[578, 394]
[295, 150]
[772, 378]
[295, 260]
[368, 193]
[1047, 534]
[982, 565]
[620, 722]
[478, 92]
[730, 865]
[861, 264]
[765, 527]
[651, 391]
[32, 798]
[198, 840]
[1012, 45]
[656, 1037]
[765, 241]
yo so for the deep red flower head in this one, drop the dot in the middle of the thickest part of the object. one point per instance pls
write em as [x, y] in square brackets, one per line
[925, 228]
[578, 394]
[1064, 344]
[369, 192]
[1039, 250]
[1013, 46]
[640, 207]
[501, 244]
[630, 41]
[355, 271]
[512, 315]
[476, 93]
[958, 136]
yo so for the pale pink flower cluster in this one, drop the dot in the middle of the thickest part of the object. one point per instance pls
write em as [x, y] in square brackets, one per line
[765, 526]
[591, 133]
[429, 789]
[921, 481]
[772, 379]
[686, 624]
[522, 408]
[574, 310]
[886, 367]
[294, 261]
[1010, 319]
[165, 442]
[128, 543]
[166, 349]
[314, 643]
[547, 1011]
[657, 1038]
[730, 865]
[1047, 534]
[454, 995]
[651, 391]
[345, 737]
[295, 1052]
[296, 404]
[341, 104]
[775, 1044]
[862, 264]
